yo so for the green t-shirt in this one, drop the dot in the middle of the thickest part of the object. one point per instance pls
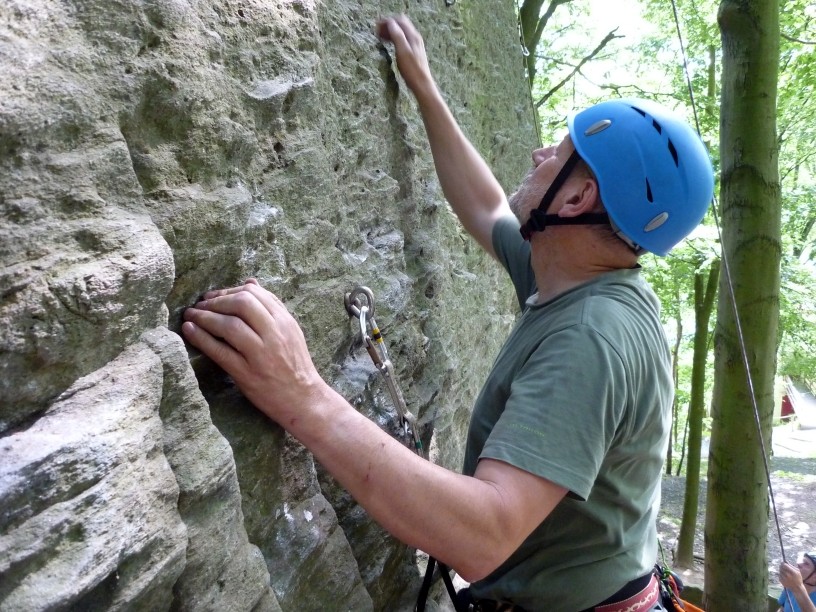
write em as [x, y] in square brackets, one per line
[580, 394]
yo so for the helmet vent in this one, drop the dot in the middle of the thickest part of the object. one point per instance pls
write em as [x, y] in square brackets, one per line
[598, 126]
[656, 222]
[637, 110]
[649, 195]
[673, 152]
[657, 126]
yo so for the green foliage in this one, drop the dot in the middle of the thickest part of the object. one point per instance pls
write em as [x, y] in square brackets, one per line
[796, 108]
[558, 52]
[643, 59]
[792, 476]
[648, 62]
[797, 357]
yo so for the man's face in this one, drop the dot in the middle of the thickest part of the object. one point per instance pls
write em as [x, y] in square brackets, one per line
[807, 569]
[547, 162]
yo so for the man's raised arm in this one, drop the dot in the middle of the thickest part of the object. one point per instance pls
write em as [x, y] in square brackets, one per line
[468, 183]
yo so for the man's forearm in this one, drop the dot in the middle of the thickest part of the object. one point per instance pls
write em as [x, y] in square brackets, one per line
[803, 599]
[471, 524]
[469, 185]
[450, 516]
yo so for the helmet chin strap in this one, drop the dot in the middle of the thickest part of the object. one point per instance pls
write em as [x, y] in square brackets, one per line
[809, 576]
[539, 219]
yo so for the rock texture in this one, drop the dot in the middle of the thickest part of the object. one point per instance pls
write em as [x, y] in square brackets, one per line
[152, 149]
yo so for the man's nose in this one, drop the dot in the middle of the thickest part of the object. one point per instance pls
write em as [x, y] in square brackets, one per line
[542, 154]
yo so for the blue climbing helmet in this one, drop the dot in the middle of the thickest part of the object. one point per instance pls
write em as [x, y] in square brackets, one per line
[653, 171]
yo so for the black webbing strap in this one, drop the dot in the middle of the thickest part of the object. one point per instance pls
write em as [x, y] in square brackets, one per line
[539, 220]
[428, 580]
[626, 591]
[534, 222]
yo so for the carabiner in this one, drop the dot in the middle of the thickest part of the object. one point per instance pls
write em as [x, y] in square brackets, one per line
[353, 303]
[360, 305]
[363, 316]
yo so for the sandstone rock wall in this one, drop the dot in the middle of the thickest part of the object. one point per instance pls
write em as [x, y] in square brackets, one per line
[152, 149]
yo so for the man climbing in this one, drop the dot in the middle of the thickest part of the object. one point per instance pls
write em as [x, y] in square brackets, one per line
[556, 505]
[800, 585]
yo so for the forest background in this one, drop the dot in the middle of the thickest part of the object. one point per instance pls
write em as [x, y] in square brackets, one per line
[581, 51]
[592, 50]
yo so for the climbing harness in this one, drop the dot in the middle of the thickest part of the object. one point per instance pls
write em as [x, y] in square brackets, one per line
[360, 305]
[427, 581]
[671, 587]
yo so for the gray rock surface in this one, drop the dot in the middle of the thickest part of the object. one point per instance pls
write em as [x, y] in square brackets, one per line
[90, 504]
[153, 149]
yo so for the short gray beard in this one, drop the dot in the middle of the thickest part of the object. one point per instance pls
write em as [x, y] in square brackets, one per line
[520, 195]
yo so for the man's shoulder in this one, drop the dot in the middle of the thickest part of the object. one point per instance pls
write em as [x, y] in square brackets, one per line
[622, 293]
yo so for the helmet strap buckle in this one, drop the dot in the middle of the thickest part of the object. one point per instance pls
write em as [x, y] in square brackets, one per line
[539, 216]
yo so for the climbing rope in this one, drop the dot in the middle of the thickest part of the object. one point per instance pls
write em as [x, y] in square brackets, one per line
[360, 305]
[733, 299]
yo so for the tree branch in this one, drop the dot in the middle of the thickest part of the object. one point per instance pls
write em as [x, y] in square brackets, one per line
[545, 18]
[532, 25]
[797, 40]
[609, 37]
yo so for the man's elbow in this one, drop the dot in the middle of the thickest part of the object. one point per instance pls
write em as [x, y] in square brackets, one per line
[475, 572]
[479, 566]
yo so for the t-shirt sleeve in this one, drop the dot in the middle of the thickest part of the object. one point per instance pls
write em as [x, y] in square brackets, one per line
[513, 252]
[564, 410]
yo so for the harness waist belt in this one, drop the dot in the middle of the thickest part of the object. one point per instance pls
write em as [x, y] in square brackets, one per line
[642, 601]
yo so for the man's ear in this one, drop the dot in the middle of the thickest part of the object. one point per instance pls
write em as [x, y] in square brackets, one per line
[582, 196]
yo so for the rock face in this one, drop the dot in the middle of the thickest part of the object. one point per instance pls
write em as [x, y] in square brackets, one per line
[153, 149]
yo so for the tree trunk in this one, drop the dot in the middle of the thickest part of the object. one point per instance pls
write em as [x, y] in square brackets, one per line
[679, 468]
[529, 14]
[703, 306]
[532, 24]
[675, 377]
[737, 510]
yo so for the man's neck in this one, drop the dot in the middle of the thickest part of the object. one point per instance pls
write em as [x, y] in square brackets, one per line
[566, 260]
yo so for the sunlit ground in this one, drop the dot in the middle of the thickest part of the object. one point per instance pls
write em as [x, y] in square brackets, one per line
[793, 478]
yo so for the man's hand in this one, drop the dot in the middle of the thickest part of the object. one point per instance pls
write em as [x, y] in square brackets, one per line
[790, 577]
[249, 333]
[412, 60]
[473, 192]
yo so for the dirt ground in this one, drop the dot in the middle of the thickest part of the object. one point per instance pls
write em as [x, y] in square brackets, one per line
[793, 478]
